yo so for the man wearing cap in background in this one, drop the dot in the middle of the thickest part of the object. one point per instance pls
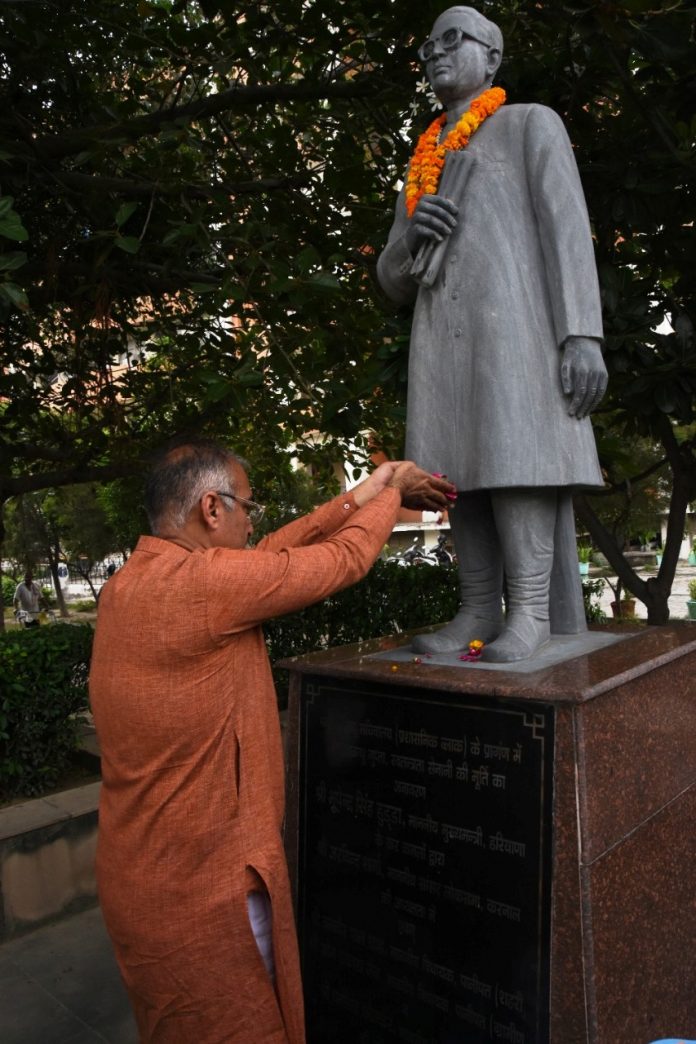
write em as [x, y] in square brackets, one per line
[505, 360]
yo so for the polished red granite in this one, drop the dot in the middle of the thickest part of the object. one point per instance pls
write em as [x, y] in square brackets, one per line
[624, 852]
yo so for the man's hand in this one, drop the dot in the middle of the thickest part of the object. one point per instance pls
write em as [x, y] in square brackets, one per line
[583, 375]
[418, 489]
[434, 218]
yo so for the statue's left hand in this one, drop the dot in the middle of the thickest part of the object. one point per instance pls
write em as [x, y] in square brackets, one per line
[583, 375]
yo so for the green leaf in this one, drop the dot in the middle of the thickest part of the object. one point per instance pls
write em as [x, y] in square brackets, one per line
[15, 295]
[124, 212]
[11, 227]
[250, 378]
[130, 244]
[665, 398]
[326, 281]
[10, 262]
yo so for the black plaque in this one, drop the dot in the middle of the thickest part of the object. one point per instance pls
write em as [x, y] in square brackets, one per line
[424, 879]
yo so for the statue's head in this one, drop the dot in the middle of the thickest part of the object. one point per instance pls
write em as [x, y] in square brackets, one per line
[462, 53]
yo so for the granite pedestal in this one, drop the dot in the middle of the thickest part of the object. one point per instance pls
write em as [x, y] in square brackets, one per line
[484, 855]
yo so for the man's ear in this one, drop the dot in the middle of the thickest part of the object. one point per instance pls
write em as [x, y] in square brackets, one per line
[209, 510]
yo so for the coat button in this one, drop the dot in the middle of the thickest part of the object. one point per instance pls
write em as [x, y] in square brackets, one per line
[457, 332]
[455, 295]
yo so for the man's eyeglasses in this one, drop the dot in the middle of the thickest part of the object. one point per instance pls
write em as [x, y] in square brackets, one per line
[255, 512]
[450, 40]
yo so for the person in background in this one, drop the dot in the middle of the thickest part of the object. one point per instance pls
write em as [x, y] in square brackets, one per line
[29, 599]
[190, 863]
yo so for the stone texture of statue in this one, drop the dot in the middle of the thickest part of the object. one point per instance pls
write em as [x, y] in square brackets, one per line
[505, 358]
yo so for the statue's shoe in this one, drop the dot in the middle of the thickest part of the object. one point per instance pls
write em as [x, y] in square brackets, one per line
[523, 636]
[456, 635]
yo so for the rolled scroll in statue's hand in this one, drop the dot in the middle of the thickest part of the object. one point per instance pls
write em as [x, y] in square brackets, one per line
[431, 254]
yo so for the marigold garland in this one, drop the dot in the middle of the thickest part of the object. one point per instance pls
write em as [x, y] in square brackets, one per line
[429, 156]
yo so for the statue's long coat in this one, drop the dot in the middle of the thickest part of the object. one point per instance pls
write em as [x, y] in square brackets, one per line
[485, 403]
[192, 798]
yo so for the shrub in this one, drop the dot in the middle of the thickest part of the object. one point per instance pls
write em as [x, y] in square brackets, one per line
[48, 596]
[8, 590]
[43, 692]
[591, 594]
[390, 599]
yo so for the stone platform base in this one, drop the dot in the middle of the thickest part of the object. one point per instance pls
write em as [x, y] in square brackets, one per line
[537, 818]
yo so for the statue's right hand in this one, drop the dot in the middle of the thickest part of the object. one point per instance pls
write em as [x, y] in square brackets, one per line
[434, 218]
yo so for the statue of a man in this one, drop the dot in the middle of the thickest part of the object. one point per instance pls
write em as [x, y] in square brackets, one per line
[505, 359]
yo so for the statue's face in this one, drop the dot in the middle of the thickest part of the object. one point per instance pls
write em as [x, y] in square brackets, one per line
[461, 71]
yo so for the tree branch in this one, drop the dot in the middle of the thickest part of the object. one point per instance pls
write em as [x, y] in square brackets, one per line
[57, 147]
[138, 279]
[617, 487]
[651, 120]
[13, 487]
[129, 187]
[602, 538]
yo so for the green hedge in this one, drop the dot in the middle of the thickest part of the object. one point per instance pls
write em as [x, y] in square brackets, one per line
[592, 594]
[43, 671]
[8, 589]
[390, 599]
[43, 690]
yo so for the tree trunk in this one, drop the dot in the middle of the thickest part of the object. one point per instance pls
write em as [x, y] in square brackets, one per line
[655, 591]
[84, 573]
[53, 563]
[2, 544]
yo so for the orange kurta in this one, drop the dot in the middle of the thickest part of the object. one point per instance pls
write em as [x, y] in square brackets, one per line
[193, 787]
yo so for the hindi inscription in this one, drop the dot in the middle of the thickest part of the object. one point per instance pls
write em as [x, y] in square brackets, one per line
[424, 885]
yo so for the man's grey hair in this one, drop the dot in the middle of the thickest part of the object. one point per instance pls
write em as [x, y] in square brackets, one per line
[180, 473]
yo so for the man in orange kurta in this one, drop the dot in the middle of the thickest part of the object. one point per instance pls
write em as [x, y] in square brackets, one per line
[193, 793]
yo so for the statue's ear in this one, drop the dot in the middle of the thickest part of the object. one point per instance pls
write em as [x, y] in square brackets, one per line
[494, 59]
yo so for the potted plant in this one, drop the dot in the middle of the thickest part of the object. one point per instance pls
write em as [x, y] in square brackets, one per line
[692, 554]
[624, 606]
[584, 558]
[625, 609]
[691, 602]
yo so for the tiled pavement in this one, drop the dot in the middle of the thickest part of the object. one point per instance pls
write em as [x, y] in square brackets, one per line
[677, 598]
[60, 985]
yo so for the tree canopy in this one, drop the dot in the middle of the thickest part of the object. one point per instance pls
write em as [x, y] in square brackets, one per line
[194, 193]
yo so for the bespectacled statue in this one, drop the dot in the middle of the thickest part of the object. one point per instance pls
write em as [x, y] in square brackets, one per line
[491, 240]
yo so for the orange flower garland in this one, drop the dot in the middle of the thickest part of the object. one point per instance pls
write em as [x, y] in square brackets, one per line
[429, 156]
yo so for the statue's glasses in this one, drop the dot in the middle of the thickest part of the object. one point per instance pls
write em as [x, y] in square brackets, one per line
[255, 512]
[450, 40]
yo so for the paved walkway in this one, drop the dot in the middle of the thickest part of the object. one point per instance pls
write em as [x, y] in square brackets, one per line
[60, 985]
[677, 598]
